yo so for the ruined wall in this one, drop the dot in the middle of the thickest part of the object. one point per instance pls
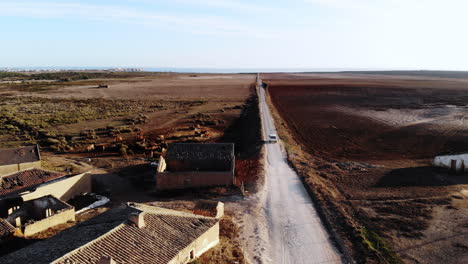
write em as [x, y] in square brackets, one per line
[212, 164]
[59, 217]
[30, 165]
[12, 168]
[202, 244]
[162, 164]
[446, 161]
[182, 180]
[64, 188]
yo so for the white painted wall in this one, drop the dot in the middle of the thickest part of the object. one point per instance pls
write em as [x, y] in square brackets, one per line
[446, 160]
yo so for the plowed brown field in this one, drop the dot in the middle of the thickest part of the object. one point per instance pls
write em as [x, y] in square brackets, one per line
[371, 138]
[374, 120]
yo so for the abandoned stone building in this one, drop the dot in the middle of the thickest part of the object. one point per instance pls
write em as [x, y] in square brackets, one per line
[27, 187]
[193, 165]
[38, 214]
[18, 159]
[133, 233]
[36, 183]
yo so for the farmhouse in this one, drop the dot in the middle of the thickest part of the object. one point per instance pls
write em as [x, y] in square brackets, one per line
[18, 159]
[134, 233]
[32, 199]
[454, 162]
[192, 165]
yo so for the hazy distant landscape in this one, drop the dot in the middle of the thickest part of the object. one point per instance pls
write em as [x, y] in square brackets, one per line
[234, 131]
[362, 141]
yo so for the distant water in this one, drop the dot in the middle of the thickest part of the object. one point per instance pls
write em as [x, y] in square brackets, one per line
[187, 70]
[242, 70]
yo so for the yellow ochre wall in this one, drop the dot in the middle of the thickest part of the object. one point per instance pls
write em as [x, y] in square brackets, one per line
[51, 221]
[202, 244]
[64, 188]
[12, 168]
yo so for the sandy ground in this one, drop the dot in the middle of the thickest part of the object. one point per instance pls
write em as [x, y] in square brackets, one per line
[251, 217]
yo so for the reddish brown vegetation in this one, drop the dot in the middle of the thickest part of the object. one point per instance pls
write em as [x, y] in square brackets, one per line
[246, 134]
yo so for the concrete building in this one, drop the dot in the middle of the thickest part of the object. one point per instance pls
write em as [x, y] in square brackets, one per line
[134, 233]
[18, 159]
[454, 162]
[39, 214]
[194, 165]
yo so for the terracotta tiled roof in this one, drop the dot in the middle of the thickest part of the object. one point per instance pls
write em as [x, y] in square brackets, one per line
[26, 179]
[5, 228]
[163, 237]
[165, 233]
[19, 155]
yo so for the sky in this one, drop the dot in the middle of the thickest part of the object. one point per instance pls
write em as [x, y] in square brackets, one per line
[314, 34]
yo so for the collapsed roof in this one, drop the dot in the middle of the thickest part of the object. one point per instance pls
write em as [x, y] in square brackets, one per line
[200, 156]
[19, 155]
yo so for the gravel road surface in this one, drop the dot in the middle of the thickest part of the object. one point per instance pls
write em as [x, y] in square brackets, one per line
[296, 233]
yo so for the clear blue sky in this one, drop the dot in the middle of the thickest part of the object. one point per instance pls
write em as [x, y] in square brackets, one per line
[417, 34]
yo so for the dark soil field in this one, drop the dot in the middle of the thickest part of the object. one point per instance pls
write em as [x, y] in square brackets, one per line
[365, 144]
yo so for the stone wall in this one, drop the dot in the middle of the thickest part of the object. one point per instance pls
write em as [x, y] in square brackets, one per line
[12, 168]
[202, 244]
[182, 180]
[63, 188]
[59, 217]
[40, 214]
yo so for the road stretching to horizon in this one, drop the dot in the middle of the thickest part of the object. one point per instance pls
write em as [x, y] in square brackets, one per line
[296, 233]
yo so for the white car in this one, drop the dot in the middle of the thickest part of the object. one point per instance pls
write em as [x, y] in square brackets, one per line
[272, 138]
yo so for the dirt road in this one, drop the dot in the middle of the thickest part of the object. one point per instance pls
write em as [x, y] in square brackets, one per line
[296, 232]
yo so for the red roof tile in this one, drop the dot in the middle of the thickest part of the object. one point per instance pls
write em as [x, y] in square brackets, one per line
[26, 179]
[19, 155]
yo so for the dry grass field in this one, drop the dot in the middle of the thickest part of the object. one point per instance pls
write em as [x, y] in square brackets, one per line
[364, 144]
[70, 116]
[117, 131]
